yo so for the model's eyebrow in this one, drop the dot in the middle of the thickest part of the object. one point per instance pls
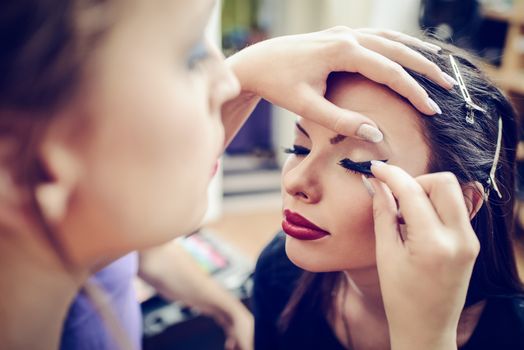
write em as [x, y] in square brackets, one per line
[337, 139]
[299, 127]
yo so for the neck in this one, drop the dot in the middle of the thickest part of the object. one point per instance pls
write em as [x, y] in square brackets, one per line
[364, 287]
[36, 291]
[364, 309]
[361, 322]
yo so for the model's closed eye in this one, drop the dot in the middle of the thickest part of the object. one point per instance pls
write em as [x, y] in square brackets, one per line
[351, 166]
[297, 150]
[363, 168]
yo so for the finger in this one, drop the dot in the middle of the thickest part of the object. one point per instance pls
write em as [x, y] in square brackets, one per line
[414, 204]
[387, 232]
[401, 37]
[381, 69]
[340, 120]
[445, 194]
[406, 57]
[230, 343]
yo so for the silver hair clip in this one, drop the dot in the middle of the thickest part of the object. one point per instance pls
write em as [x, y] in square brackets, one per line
[491, 181]
[471, 106]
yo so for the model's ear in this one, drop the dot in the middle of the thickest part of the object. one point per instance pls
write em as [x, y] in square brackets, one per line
[58, 176]
[474, 197]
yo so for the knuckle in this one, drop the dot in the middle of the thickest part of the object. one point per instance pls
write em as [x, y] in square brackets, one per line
[301, 105]
[433, 69]
[339, 29]
[398, 49]
[391, 34]
[343, 46]
[396, 75]
[381, 32]
[411, 187]
[379, 212]
[447, 250]
[458, 251]
[471, 249]
[447, 178]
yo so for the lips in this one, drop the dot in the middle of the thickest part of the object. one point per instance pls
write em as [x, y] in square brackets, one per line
[301, 228]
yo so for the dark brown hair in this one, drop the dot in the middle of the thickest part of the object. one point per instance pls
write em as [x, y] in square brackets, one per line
[466, 150]
[44, 49]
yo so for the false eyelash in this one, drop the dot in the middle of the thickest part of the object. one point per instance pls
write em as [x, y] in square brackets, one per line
[351, 171]
[297, 150]
[363, 168]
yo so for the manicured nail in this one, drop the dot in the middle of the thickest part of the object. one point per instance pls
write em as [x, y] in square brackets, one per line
[449, 79]
[434, 106]
[433, 47]
[377, 163]
[370, 133]
[368, 185]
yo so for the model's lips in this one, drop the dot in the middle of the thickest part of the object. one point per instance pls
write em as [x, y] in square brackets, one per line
[301, 228]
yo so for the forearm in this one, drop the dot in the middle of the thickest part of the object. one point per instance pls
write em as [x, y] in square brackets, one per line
[236, 111]
[174, 273]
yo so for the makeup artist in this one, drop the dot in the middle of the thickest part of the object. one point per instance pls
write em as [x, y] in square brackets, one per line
[112, 117]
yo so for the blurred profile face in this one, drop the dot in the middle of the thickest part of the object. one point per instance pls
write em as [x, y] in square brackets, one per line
[154, 90]
[328, 212]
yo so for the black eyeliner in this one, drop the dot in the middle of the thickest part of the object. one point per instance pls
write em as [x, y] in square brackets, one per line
[297, 150]
[361, 167]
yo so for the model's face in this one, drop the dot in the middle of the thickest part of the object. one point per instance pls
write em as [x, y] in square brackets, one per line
[154, 93]
[332, 197]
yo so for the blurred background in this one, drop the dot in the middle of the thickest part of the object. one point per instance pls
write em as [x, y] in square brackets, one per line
[245, 204]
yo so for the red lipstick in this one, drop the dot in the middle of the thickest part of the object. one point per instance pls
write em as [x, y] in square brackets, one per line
[301, 228]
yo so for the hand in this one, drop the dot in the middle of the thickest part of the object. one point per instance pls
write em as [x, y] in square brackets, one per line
[424, 270]
[239, 330]
[291, 71]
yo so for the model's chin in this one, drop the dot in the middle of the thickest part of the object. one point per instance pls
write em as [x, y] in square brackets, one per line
[303, 257]
[317, 258]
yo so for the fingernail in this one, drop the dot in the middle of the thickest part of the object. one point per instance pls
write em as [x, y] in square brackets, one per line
[433, 47]
[368, 186]
[377, 163]
[370, 133]
[449, 79]
[434, 106]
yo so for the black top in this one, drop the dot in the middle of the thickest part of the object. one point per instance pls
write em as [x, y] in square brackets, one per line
[501, 325]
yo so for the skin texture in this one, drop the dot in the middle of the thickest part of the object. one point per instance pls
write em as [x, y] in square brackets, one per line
[143, 105]
[318, 188]
[126, 162]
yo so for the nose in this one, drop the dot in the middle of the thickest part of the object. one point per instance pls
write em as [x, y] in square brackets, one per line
[302, 183]
[224, 84]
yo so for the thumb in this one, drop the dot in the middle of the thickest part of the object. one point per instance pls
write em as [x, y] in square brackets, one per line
[387, 233]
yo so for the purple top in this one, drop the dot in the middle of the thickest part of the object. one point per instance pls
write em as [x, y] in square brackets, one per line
[85, 330]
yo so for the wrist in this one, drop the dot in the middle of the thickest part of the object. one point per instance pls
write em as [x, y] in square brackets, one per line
[418, 340]
[226, 313]
[241, 65]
